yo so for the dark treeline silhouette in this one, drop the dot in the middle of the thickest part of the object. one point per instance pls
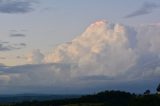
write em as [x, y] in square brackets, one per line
[158, 89]
[106, 98]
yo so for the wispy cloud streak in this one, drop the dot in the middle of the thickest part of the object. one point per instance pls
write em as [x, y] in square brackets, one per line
[146, 8]
[16, 6]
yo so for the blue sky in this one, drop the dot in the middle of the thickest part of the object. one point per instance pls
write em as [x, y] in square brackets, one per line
[70, 35]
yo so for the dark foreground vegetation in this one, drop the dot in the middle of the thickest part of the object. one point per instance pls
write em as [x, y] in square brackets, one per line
[107, 98]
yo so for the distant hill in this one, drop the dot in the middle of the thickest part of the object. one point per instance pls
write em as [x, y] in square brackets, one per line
[33, 97]
[106, 98]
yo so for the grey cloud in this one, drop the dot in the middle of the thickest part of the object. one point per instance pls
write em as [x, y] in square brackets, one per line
[2, 58]
[17, 35]
[19, 45]
[23, 44]
[5, 48]
[97, 77]
[2, 65]
[16, 6]
[56, 78]
[20, 57]
[4, 42]
[9, 47]
[146, 8]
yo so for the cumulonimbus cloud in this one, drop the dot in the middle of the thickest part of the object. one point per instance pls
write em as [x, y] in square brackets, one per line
[104, 55]
[146, 8]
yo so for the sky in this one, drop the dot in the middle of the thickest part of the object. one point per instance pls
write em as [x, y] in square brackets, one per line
[50, 46]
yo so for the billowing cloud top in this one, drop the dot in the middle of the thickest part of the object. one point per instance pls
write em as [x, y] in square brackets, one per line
[104, 55]
[102, 46]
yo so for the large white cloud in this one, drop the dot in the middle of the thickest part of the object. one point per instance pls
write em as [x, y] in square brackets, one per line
[103, 49]
[104, 55]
